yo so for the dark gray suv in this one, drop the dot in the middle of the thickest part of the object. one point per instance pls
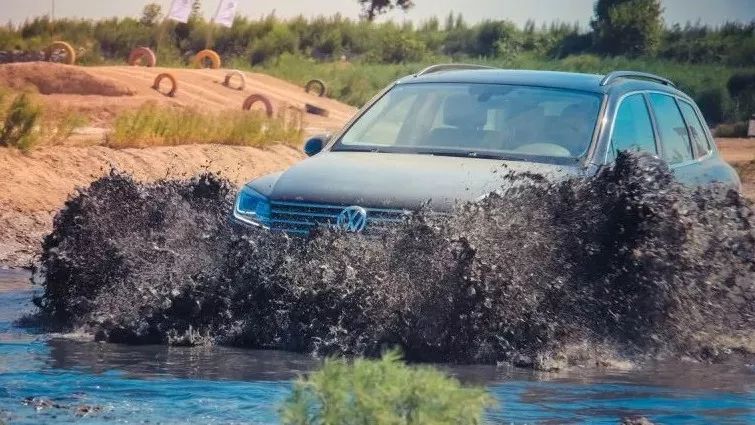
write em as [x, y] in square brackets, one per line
[451, 132]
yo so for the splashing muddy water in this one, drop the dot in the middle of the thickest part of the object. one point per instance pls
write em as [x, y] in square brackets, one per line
[626, 264]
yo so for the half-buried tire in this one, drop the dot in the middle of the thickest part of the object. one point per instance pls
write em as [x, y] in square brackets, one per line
[316, 85]
[214, 58]
[251, 100]
[173, 83]
[142, 56]
[316, 110]
[241, 78]
[70, 57]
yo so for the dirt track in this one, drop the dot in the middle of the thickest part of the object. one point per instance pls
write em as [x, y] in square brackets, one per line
[101, 92]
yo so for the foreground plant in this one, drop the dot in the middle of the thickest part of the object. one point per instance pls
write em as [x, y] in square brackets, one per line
[18, 127]
[384, 391]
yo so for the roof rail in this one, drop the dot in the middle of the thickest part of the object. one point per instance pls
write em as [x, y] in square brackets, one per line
[608, 79]
[450, 67]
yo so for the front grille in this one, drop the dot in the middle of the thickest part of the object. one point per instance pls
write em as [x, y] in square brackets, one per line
[301, 218]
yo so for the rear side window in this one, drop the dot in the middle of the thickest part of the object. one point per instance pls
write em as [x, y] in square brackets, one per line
[633, 130]
[696, 129]
[672, 129]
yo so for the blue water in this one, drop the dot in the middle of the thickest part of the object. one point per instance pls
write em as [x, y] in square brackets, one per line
[162, 385]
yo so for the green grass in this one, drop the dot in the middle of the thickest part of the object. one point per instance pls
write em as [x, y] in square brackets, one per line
[356, 83]
[154, 125]
[382, 392]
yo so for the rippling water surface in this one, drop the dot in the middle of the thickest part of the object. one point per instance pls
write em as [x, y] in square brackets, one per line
[48, 379]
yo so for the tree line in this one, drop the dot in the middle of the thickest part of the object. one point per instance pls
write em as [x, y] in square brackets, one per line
[619, 28]
[632, 28]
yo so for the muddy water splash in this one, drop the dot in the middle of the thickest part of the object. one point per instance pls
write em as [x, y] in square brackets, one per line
[545, 274]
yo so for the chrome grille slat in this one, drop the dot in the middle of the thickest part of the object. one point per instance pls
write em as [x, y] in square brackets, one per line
[302, 213]
[302, 217]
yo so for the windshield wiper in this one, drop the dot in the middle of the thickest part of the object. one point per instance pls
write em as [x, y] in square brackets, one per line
[355, 149]
[472, 154]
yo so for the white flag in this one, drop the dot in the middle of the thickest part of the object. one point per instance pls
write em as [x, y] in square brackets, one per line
[226, 12]
[180, 10]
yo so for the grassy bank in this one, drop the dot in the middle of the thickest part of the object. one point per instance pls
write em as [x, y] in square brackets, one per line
[153, 125]
[26, 123]
[355, 83]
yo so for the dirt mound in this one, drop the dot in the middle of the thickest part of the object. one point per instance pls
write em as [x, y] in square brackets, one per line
[52, 78]
[100, 93]
[35, 185]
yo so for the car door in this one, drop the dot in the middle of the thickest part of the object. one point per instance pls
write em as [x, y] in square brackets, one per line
[675, 144]
[632, 127]
[709, 168]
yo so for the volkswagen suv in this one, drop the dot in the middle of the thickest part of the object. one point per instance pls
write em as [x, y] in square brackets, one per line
[451, 133]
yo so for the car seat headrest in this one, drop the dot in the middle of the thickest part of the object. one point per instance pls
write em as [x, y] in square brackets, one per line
[464, 111]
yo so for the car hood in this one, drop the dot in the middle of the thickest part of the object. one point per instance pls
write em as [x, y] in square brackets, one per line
[390, 180]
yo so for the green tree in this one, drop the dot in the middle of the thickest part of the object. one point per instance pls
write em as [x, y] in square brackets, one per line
[741, 87]
[373, 8]
[627, 27]
[151, 14]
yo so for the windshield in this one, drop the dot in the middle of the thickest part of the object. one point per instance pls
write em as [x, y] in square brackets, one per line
[505, 121]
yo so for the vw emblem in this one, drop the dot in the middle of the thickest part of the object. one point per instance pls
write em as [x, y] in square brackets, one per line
[352, 219]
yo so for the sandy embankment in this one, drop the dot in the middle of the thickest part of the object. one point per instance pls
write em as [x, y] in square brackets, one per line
[36, 185]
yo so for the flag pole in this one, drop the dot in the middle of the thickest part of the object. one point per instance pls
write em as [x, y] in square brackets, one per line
[210, 33]
[163, 31]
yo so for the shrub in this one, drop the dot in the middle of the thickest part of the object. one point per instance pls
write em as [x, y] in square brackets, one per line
[382, 392]
[20, 121]
[741, 87]
[715, 104]
[737, 129]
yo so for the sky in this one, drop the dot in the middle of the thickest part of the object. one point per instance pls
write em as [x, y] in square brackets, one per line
[711, 12]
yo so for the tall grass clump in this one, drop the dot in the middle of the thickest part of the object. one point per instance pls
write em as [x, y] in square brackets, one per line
[58, 129]
[382, 392]
[151, 125]
[19, 122]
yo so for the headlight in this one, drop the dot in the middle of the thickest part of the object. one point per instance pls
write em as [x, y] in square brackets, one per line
[252, 207]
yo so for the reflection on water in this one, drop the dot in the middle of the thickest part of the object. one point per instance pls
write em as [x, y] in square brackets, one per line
[220, 385]
[211, 363]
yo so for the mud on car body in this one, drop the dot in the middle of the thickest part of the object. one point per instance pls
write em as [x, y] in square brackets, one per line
[451, 133]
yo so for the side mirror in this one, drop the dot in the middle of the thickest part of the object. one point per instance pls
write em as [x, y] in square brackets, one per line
[314, 145]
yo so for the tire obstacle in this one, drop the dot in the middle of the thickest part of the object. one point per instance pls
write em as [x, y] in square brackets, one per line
[214, 58]
[251, 100]
[316, 110]
[171, 78]
[70, 58]
[241, 78]
[319, 84]
[142, 55]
